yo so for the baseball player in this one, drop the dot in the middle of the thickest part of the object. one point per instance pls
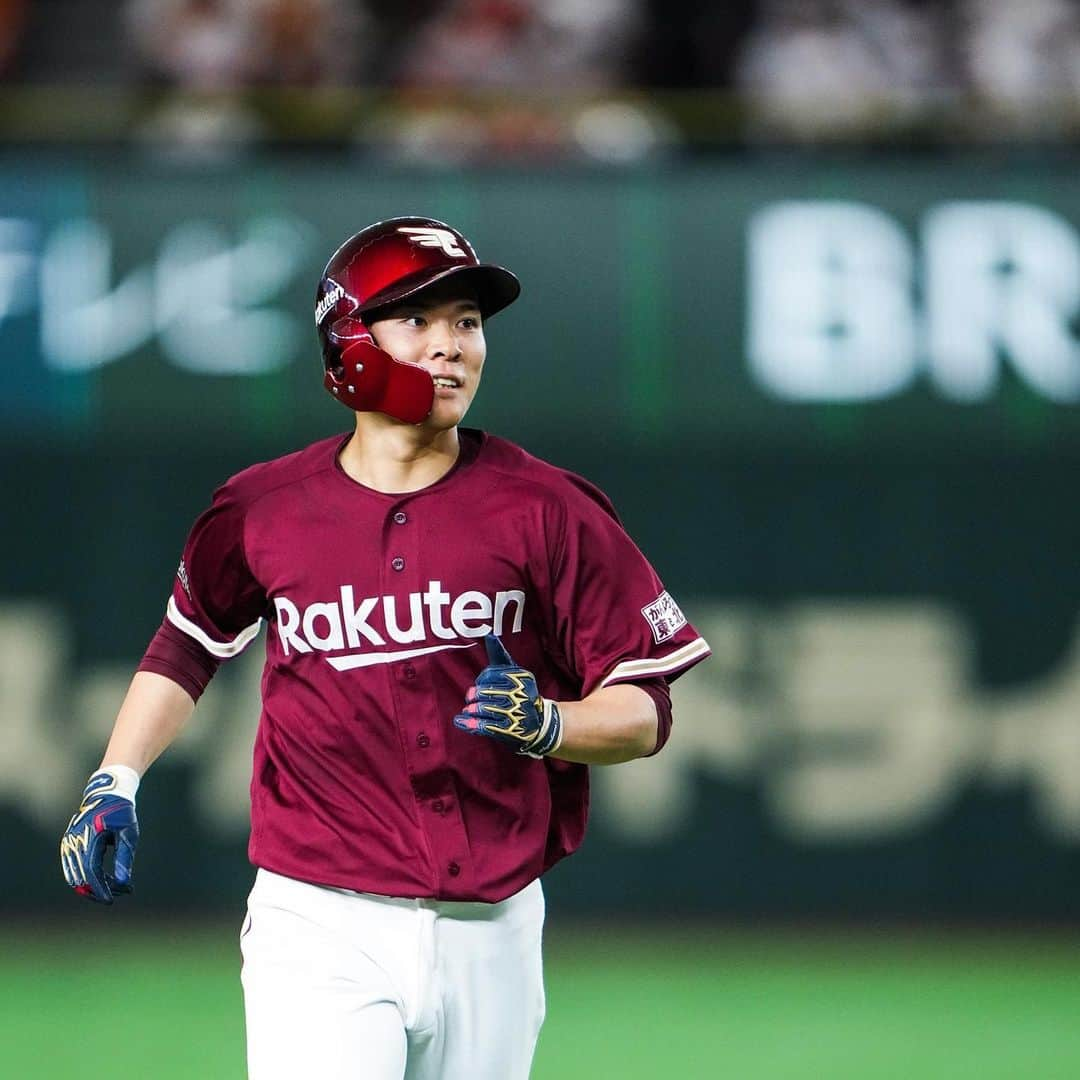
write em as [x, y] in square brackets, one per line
[456, 631]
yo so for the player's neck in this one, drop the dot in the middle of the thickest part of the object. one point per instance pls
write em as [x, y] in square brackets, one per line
[391, 457]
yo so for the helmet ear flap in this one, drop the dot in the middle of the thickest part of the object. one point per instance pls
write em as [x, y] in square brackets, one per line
[347, 333]
[350, 336]
[347, 329]
[368, 379]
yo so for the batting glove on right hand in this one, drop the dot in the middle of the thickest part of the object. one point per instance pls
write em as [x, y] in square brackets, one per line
[105, 819]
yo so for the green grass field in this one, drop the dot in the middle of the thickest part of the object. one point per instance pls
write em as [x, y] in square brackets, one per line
[166, 1004]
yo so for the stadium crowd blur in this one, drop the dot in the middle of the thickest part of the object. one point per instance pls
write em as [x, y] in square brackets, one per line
[607, 80]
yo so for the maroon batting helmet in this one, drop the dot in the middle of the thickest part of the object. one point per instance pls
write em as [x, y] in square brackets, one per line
[381, 265]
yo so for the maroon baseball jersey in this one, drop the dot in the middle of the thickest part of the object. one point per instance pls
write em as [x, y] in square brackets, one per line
[377, 607]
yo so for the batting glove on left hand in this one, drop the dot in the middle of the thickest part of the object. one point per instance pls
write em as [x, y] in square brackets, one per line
[106, 818]
[506, 705]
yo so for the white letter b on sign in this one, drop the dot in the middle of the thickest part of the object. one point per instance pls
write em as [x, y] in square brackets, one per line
[829, 307]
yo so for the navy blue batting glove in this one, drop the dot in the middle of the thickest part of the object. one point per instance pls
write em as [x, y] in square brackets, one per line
[506, 705]
[105, 819]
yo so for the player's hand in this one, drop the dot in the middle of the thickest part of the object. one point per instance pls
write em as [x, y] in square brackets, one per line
[104, 820]
[506, 705]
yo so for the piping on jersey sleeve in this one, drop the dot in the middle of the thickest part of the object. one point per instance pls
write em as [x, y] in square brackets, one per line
[668, 665]
[222, 650]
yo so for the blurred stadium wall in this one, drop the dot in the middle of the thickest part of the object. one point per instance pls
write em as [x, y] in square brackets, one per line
[835, 397]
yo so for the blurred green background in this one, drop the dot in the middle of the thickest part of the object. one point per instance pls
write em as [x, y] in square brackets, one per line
[694, 1002]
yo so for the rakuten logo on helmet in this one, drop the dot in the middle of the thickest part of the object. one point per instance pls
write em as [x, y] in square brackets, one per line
[327, 302]
[349, 623]
[436, 238]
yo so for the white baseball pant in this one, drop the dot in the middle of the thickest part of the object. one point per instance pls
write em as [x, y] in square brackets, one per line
[341, 985]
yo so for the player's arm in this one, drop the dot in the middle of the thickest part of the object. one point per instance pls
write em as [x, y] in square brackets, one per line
[213, 613]
[612, 724]
[154, 711]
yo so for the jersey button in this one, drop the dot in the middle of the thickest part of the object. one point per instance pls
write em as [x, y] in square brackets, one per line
[453, 869]
[410, 671]
[438, 806]
[398, 563]
[423, 741]
[400, 517]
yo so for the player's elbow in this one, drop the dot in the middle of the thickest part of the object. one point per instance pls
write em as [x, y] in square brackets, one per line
[645, 742]
[639, 728]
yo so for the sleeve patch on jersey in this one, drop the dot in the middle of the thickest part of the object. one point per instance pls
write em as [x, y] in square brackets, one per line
[665, 617]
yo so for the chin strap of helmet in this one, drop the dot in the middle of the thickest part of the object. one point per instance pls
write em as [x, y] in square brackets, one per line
[369, 379]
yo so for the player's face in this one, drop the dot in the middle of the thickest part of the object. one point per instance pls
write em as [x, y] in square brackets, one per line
[443, 333]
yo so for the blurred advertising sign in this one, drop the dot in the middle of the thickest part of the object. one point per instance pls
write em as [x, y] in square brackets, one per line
[854, 730]
[738, 304]
[859, 721]
[203, 292]
[843, 306]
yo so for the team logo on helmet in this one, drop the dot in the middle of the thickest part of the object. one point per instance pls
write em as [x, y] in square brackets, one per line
[327, 302]
[435, 238]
